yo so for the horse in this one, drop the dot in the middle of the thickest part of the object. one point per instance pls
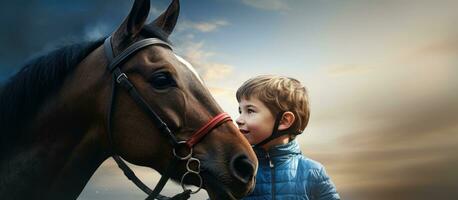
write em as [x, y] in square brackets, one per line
[125, 96]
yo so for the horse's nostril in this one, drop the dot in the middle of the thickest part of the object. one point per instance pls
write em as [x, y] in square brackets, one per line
[242, 168]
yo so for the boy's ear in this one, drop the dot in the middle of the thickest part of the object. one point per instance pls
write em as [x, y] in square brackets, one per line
[286, 121]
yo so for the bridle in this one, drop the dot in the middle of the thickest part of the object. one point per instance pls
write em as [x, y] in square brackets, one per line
[192, 163]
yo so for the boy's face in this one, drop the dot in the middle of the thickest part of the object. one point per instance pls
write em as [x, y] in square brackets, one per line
[255, 120]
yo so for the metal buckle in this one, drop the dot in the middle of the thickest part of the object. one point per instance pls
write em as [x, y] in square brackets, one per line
[122, 75]
[190, 173]
[182, 157]
[189, 168]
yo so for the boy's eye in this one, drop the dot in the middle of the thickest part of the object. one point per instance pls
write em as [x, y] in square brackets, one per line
[250, 111]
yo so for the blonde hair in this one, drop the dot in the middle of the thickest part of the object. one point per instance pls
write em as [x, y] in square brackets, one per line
[279, 94]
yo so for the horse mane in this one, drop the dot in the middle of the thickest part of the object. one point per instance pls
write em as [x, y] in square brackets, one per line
[39, 79]
[24, 93]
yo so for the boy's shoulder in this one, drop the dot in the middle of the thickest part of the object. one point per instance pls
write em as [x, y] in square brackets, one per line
[310, 164]
[312, 170]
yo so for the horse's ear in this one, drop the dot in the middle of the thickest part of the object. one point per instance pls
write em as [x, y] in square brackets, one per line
[168, 19]
[133, 23]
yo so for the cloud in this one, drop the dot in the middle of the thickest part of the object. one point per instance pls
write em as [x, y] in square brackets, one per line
[382, 160]
[445, 46]
[438, 52]
[388, 130]
[205, 27]
[225, 96]
[96, 31]
[155, 12]
[200, 58]
[341, 70]
[219, 91]
[272, 5]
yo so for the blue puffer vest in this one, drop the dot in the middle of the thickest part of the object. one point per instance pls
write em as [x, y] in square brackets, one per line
[285, 174]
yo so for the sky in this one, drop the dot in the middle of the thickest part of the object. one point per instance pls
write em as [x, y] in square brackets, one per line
[382, 77]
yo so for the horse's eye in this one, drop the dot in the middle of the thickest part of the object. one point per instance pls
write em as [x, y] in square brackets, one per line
[162, 80]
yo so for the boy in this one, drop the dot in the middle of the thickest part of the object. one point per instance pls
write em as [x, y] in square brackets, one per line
[273, 111]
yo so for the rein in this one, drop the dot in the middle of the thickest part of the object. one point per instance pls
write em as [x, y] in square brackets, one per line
[120, 78]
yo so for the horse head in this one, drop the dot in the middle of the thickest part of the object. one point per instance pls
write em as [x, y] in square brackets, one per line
[177, 96]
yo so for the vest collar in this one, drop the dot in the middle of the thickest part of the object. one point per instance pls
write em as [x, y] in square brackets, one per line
[279, 152]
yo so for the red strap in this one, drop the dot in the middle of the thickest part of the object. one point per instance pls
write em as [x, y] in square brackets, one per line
[199, 134]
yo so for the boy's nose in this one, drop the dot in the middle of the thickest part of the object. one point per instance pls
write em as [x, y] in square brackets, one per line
[239, 121]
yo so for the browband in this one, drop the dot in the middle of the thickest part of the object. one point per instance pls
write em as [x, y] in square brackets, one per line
[115, 61]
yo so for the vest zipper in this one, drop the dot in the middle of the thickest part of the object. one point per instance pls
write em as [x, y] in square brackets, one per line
[272, 173]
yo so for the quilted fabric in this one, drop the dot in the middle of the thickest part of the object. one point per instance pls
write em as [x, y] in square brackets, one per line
[286, 173]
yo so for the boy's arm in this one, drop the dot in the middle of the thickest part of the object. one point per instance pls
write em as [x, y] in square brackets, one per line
[323, 188]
